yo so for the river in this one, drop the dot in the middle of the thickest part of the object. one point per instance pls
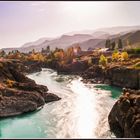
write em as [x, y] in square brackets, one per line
[81, 113]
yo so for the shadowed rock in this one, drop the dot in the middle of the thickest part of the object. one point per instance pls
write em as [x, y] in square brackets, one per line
[51, 97]
[20, 94]
[124, 118]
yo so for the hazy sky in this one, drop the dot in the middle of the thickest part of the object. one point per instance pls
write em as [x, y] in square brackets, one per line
[22, 22]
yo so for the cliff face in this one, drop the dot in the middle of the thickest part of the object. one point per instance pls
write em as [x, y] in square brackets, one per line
[117, 76]
[124, 118]
[32, 66]
[71, 68]
[19, 94]
[124, 77]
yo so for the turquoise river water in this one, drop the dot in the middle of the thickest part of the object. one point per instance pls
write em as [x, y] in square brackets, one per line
[81, 113]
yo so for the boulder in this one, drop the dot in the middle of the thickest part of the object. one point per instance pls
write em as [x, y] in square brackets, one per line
[124, 117]
[51, 97]
[20, 94]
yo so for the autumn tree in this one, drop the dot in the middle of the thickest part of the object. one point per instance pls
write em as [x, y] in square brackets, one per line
[69, 55]
[115, 55]
[51, 55]
[37, 57]
[76, 48]
[59, 54]
[79, 48]
[56, 50]
[103, 60]
[33, 51]
[124, 56]
[15, 54]
[70, 52]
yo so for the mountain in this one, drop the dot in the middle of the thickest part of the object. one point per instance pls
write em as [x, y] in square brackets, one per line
[37, 42]
[108, 30]
[66, 40]
[86, 38]
[89, 31]
[30, 45]
[119, 30]
[132, 37]
[62, 42]
[100, 35]
[91, 43]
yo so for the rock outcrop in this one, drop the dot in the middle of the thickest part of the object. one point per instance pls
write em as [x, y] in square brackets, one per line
[73, 68]
[18, 93]
[32, 66]
[117, 75]
[124, 118]
[123, 77]
[70, 68]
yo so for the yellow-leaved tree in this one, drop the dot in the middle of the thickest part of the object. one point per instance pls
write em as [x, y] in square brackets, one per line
[59, 55]
[37, 57]
[124, 56]
[115, 55]
[103, 60]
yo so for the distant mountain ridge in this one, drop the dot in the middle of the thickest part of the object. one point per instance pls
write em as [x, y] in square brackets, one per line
[132, 38]
[120, 29]
[37, 42]
[86, 39]
[109, 30]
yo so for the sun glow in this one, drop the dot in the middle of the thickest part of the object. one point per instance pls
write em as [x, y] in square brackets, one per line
[84, 8]
[81, 12]
[87, 113]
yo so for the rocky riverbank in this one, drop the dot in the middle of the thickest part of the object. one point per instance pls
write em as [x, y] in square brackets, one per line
[26, 96]
[19, 94]
[124, 118]
[120, 76]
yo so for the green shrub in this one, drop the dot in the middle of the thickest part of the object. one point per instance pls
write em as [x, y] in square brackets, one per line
[137, 65]
[133, 50]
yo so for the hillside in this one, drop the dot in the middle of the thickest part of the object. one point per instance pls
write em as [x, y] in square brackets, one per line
[91, 43]
[132, 38]
[119, 29]
[107, 30]
[62, 42]
[95, 39]
[37, 42]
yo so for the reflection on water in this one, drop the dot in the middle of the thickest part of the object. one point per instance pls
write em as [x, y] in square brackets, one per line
[81, 113]
[85, 107]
